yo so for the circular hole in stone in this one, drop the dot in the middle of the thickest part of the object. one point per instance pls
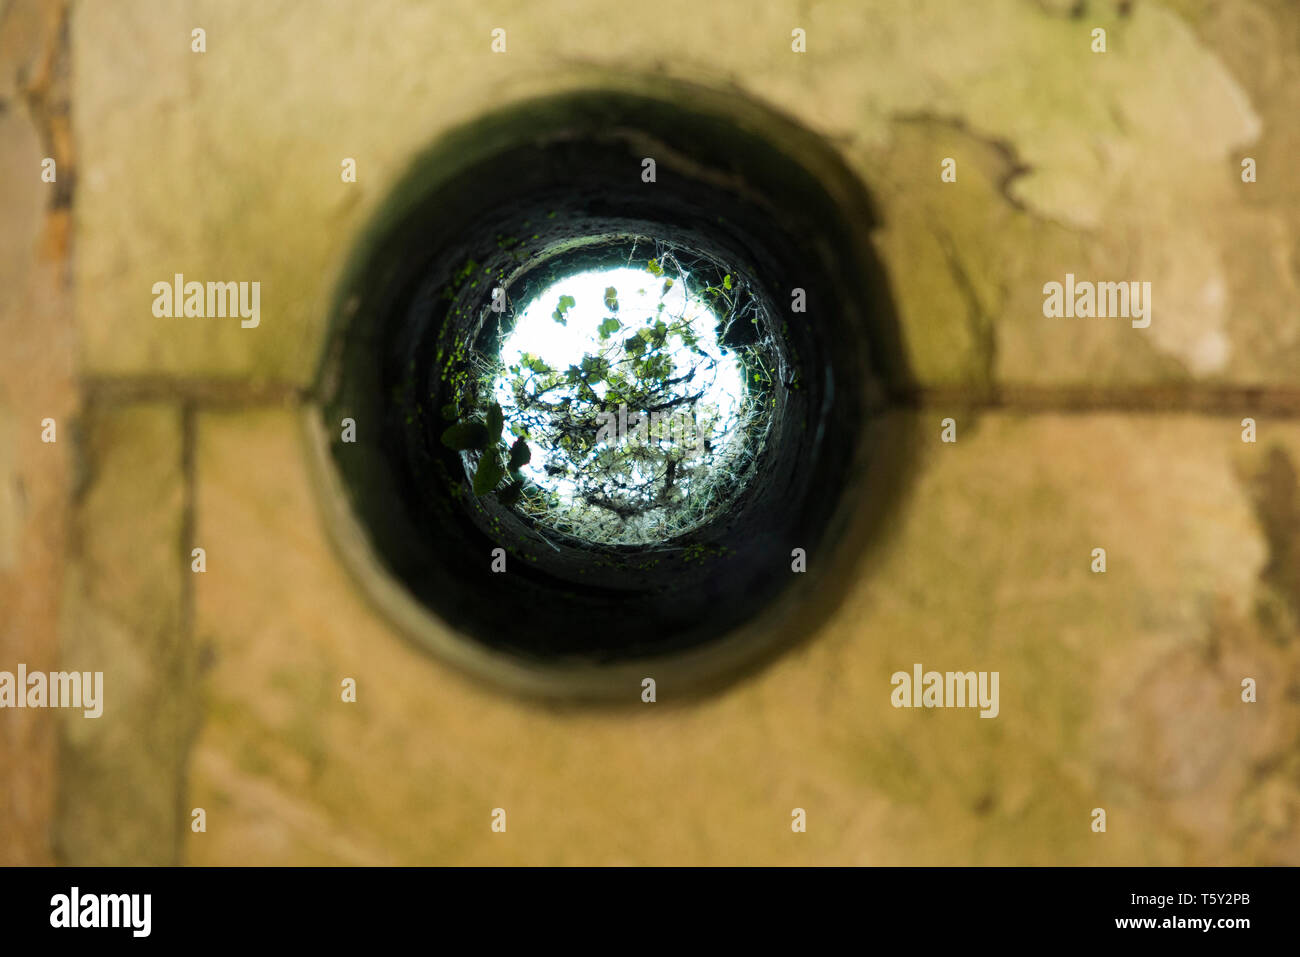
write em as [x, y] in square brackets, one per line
[619, 367]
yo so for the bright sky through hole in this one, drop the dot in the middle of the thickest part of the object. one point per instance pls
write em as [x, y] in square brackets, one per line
[639, 295]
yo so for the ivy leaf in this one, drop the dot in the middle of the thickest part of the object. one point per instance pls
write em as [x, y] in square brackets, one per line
[534, 364]
[489, 473]
[520, 455]
[560, 314]
[464, 436]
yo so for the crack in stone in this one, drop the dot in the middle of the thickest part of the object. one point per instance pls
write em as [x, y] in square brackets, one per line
[982, 328]
[1015, 166]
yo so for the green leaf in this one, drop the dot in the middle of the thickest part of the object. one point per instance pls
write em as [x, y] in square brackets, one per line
[654, 267]
[611, 299]
[520, 455]
[466, 435]
[449, 412]
[562, 308]
[726, 282]
[609, 327]
[495, 421]
[489, 473]
[534, 364]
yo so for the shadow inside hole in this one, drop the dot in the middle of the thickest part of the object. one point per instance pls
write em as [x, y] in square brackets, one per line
[559, 178]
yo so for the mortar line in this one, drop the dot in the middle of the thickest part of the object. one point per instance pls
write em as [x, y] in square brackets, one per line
[1190, 398]
[187, 650]
[200, 392]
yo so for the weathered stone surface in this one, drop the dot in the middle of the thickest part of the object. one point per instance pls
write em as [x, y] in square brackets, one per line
[121, 775]
[1123, 165]
[1118, 690]
[1099, 674]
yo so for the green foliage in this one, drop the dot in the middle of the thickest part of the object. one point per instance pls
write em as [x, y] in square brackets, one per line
[536, 365]
[520, 455]
[489, 473]
[466, 436]
[562, 310]
[485, 436]
[495, 422]
[545, 454]
[659, 367]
